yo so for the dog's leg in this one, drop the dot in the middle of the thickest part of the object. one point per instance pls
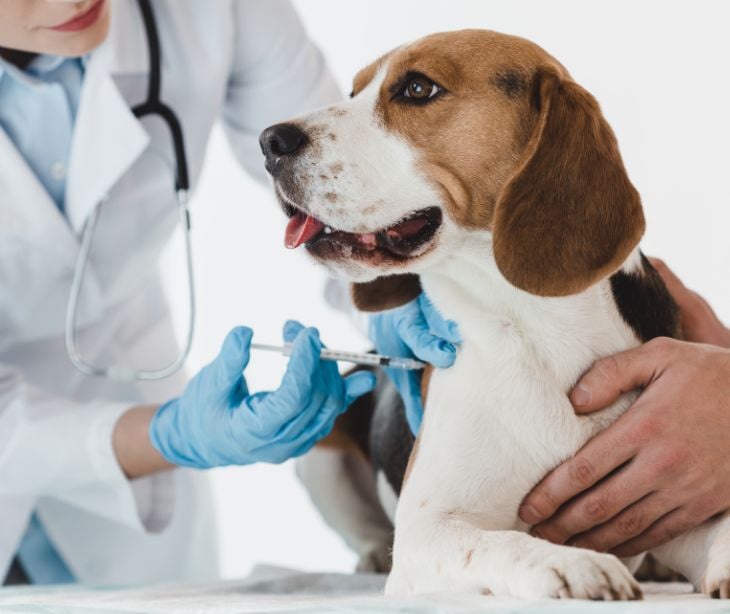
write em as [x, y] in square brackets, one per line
[342, 486]
[449, 552]
[702, 556]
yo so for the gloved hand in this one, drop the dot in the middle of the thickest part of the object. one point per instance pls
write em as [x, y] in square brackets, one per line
[217, 422]
[415, 329]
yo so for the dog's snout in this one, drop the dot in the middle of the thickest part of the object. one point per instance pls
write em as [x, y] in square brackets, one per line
[279, 141]
[282, 140]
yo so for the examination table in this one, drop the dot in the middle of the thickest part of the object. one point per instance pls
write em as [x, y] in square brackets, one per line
[279, 590]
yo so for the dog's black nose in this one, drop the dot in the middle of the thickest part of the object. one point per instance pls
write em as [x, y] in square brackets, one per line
[279, 141]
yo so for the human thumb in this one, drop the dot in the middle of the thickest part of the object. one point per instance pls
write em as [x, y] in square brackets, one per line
[233, 358]
[612, 376]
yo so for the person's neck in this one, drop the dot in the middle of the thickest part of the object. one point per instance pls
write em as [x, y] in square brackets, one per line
[21, 59]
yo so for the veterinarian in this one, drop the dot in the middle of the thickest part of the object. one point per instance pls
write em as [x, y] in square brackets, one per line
[661, 469]
[105, 111]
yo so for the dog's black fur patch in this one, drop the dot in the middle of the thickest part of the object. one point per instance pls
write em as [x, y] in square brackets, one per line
[511, 82]
[391, 440]
[645, 303]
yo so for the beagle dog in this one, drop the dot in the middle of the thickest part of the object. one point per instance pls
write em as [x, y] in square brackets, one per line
[470, 165]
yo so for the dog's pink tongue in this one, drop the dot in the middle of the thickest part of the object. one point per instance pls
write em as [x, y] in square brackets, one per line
[302, 228]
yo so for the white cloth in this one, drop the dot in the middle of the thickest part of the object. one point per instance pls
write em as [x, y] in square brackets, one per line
[246, 61]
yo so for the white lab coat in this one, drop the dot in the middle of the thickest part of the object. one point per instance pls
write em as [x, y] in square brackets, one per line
[248, 62]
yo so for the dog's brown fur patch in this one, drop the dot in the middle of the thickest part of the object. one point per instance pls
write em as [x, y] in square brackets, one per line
[515, 146]
[411, 461]
[425, 380]
[569, 214]
[386, 292]
[469, 140]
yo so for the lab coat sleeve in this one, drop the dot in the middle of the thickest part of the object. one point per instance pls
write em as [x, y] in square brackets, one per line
[62, 449]
[338, 296]
[277, 73]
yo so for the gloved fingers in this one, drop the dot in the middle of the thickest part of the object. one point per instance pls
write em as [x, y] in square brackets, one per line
[381, 331]
[327, 368]
[310, 386]
[317, 431]
[306, 445]
[413, 329]
[298, 384]
[331, 395]
[225, 373]
[414, 412]
[408, 384]
[326, 403]
[356, 385]
[314, 422]
[291, 329]
[437, 325]
[301, 446]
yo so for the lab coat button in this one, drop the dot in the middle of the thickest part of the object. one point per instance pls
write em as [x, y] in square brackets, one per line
[58, 171]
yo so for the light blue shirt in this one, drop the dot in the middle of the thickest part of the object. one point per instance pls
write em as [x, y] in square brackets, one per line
[37, 111]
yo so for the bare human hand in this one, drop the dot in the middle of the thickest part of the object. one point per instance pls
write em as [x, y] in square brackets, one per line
[664, 466]
[699, 322]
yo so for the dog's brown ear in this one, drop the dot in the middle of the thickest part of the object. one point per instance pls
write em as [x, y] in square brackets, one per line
[386, 292]
[569, 215]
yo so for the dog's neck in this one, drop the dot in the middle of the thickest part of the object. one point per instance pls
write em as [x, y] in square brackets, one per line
[564, 335]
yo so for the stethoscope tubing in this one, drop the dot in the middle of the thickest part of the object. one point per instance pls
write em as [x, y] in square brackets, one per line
[152, 106]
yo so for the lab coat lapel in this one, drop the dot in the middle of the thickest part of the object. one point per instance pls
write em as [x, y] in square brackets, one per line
[26, 209]
[107, 140]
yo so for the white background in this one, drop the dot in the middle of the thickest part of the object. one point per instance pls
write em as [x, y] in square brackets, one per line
[660, 71]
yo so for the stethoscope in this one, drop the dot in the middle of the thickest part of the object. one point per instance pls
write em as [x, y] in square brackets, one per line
[152, 106]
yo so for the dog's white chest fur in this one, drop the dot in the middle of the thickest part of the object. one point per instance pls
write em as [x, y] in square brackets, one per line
[504, 405]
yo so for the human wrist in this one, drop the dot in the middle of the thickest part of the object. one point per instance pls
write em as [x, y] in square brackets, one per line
[132, 445]
[163, 433]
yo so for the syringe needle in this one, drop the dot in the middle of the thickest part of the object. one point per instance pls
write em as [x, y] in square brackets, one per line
[360, 358]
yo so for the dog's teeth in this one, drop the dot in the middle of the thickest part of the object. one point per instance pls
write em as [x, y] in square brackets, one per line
[328, 230]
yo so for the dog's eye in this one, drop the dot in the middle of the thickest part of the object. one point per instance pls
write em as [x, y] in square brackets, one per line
[420, 88]
[417, 88]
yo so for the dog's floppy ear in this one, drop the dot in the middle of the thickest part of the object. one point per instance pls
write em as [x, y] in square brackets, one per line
[386, 292]
[569, 215]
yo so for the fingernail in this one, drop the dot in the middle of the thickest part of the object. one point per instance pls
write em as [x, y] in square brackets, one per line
[529, 514]
[580, 396]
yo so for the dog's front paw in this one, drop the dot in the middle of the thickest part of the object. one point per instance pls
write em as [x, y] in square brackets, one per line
[577, 574]
[716, 581]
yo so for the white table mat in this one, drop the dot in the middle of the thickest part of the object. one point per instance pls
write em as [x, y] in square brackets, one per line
[270, 590]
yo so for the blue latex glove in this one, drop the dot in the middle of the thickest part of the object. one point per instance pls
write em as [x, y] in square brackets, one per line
[217, 422]
[415, 329]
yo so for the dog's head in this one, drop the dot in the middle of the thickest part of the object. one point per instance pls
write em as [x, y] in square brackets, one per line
[455, 134]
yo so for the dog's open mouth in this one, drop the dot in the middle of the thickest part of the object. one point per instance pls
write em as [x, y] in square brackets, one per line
[404, 239]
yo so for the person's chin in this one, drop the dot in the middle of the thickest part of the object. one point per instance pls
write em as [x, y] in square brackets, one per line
[81, 43]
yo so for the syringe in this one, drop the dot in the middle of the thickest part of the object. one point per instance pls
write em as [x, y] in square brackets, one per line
[375, 360]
